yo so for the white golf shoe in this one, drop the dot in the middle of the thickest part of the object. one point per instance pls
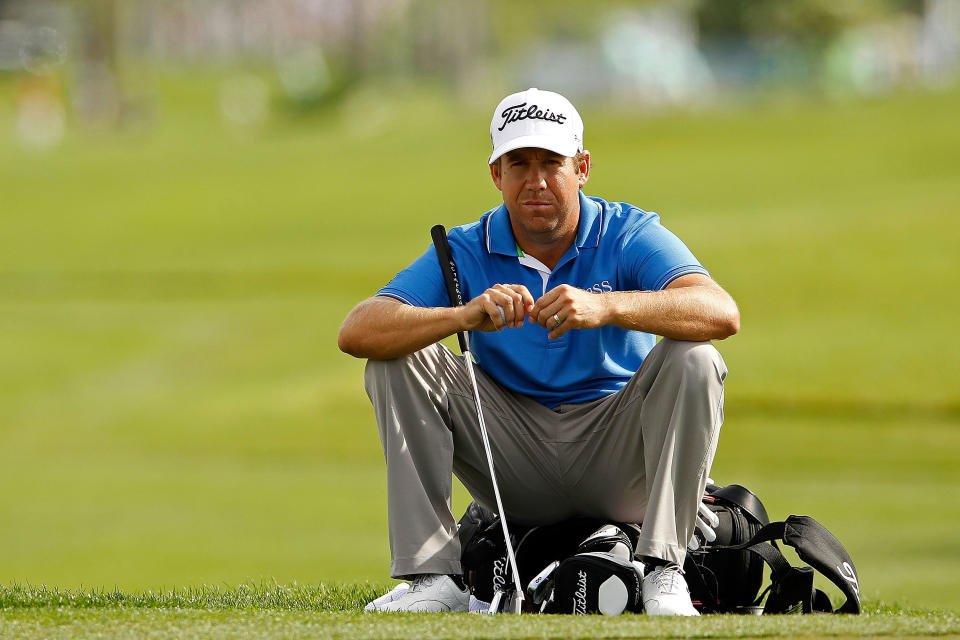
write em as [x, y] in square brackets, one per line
[665, 593]
[430, 593]
[390, 596]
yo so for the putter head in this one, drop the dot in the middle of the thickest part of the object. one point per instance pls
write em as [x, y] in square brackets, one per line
[507, 601]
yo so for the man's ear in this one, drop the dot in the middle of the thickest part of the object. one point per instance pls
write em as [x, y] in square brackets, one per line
[584, 169]
[495, 173]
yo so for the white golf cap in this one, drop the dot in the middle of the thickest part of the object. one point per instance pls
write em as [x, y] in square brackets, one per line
[535, 118]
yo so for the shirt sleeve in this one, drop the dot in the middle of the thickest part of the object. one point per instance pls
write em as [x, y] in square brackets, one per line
[652, 256]
[420, 284]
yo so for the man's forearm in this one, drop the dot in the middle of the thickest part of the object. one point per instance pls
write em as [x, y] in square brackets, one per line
[683, 313]
[382, 328]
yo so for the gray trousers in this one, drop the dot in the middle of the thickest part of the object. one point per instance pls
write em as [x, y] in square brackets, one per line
[639, 455]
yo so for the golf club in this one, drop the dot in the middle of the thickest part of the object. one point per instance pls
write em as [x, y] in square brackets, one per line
[452, 281]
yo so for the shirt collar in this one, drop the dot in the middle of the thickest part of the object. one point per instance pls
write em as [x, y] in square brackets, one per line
[499, 233]
[591, 223]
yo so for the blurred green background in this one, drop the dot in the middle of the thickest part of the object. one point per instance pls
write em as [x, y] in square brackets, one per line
[179, 248]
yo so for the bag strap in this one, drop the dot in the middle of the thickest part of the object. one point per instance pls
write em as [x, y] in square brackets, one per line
[701, 580]
[745, 499]
[817, 547]
[821, 550]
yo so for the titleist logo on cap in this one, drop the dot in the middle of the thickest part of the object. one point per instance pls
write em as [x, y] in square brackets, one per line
[517, 112]
[562, 131]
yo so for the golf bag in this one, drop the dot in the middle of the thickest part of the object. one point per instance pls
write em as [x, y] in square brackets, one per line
[728, 581]
[576, 566]
[587, 566]
[726, 575]
[484, 555]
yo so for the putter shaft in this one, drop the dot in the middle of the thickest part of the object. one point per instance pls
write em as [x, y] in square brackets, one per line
[518, 600]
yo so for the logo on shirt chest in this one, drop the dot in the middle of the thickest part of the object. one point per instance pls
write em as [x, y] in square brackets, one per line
[603, 286]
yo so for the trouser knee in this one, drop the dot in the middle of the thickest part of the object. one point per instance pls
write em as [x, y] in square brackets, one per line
[379, 373]
[375, 372]
[699, 362]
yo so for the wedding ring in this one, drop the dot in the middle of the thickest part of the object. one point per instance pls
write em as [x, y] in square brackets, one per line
[556, 321]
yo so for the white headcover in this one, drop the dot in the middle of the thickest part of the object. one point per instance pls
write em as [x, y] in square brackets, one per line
[535, 118]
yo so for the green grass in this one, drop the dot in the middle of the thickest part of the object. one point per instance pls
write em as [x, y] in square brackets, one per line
[274, 610]
[251, 597]
[174, 411]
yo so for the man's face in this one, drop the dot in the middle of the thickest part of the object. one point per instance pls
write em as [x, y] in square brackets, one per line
[541, 190]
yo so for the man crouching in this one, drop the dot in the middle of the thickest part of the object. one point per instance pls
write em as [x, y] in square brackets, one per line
[587, 415]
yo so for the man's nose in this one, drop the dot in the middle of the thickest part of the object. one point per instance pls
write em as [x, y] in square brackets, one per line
[536, 177]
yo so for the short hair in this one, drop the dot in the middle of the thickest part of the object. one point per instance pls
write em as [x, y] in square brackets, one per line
[578, 158]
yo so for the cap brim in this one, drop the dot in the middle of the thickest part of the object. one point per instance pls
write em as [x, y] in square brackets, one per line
[537, 142]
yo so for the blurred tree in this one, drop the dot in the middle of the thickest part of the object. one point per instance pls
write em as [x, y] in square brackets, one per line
[517, 26]
[799, 20]
[446, 38]
[97, 94]
[455, 40]
[754, 43]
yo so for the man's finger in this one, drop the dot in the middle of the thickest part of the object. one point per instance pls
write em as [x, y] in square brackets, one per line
[495, 312]
[517, 306]
[560, 321]
[541, 304]
[561, 329]
[513, 303]
[553, 316]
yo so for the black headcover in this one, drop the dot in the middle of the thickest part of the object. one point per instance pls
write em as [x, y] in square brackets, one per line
[596, 582]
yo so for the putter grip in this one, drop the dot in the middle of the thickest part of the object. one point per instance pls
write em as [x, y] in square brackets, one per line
[449, 269]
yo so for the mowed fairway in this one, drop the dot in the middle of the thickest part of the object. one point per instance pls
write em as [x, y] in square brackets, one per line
[174, 410]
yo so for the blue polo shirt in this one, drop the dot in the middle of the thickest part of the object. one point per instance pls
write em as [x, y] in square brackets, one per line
[618, 248]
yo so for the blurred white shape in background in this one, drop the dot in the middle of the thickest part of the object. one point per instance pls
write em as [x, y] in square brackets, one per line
[40, 118]
[940, 41]
[654, 55]
[872, 58]
[244, 100]
[898, 50]
[303, 73]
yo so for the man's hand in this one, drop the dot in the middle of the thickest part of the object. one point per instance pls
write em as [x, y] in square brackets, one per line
[500, 307]
[574, 308]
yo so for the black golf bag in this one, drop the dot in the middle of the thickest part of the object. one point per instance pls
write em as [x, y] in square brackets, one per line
[576, 566]
[587, 566]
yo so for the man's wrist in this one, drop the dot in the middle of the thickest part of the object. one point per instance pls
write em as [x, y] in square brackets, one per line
[457, 319]
[610, 311]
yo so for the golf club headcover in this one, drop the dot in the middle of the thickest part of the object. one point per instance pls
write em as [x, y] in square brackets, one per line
[596, 582]
[610, 539]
